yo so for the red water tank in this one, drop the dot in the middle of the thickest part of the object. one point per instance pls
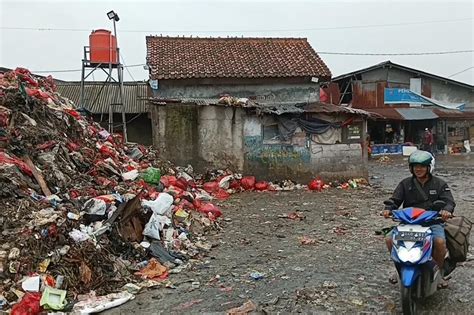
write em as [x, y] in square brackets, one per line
[103, 47]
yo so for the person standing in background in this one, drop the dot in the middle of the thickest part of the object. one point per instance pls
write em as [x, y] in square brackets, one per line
[428, 141]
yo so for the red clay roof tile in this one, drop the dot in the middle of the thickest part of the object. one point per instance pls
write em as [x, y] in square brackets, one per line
[180, 58]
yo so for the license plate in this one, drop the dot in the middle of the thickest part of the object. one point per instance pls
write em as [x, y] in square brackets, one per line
[410, 236]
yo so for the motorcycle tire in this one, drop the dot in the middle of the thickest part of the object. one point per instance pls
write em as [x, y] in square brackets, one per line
[408, 300]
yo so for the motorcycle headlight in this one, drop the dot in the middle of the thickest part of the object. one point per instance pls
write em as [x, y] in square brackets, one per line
[409, 255]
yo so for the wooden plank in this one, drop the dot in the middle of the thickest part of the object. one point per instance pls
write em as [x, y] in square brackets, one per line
[39, 178]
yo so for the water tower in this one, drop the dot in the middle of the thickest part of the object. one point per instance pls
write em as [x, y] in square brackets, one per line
[102, 54]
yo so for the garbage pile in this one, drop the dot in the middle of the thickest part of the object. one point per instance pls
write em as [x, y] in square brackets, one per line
[83, 214]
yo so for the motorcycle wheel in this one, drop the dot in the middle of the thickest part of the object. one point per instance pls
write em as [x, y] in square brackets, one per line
[408, 300]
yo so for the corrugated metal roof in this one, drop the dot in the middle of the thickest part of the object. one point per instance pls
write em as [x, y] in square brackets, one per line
[336, 109]
[454, 114]
[97, 101]
[387, 113]
[417, 113]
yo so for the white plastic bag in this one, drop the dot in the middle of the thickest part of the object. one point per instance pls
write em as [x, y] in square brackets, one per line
[161, 205]
[155, 225]
[95, 206]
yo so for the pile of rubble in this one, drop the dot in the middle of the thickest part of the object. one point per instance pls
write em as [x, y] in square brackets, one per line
[88, 220]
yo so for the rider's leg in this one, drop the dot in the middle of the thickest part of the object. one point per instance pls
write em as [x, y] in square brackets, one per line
[439, 251]
[439, 244]
[389, 242]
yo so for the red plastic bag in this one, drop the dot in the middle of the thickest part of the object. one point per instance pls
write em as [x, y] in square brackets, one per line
[211, 187]
[29, 305]
[235, 184]
[261, 186]
[248, 182]
[181, 183]
[221, 194]
[168, 180]
[212, 209]
[6, 159]
[316, 184]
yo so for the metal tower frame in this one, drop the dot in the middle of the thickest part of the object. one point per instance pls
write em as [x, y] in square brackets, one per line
[108, 68]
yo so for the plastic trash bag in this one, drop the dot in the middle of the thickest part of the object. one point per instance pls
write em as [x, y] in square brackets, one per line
[53, 299]
[152, 176]
[155, 225]
[316, 185]
[210, 208]
[29, 305]
[261, 186]
[161, 205]
[210, 187]
[248, 182]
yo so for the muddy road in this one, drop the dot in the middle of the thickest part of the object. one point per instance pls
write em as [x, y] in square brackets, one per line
[329, 259]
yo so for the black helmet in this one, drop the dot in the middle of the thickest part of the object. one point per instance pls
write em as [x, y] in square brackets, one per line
[423, 158]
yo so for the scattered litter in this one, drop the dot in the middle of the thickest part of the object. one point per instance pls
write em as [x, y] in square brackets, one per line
[257, 275]
[246, 308]
[95, 304]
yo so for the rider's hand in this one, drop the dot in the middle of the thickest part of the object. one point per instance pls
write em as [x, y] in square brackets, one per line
[386, 214]
[445, 215]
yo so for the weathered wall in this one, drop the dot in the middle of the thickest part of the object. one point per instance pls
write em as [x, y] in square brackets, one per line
[204, 136]
[338, 160]
[300, 158]
[274, 160]
[210, 137]
[279, 91]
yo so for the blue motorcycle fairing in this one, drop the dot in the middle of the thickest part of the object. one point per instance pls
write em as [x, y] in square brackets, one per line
[409, 274]
[414, 215]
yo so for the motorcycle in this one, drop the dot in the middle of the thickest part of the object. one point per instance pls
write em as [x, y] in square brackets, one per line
[411, 252]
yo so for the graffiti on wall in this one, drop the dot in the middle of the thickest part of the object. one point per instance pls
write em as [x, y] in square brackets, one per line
[272, 154]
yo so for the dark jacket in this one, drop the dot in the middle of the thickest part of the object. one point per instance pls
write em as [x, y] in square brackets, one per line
[435, 188]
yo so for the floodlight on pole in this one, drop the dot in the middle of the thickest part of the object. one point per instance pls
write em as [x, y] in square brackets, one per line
[113, 16]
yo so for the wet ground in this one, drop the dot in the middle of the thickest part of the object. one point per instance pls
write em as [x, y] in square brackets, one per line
[343, 269]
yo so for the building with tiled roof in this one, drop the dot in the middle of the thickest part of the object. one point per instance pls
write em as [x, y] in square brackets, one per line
[241, 103]
[184, 58]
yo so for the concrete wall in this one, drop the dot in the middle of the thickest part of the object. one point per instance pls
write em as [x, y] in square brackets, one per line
[345, 160]
[210, 137]
[300, 158]
[204, 136]
[281, 91]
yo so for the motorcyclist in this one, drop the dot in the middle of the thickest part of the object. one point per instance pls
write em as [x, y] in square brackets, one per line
[420, 191]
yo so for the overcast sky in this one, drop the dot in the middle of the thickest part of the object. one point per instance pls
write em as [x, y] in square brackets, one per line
[54, 32]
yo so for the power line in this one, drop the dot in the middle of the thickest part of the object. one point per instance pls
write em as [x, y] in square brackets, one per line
[126, 68]
[320, 53]
[462, 71]
[241, 31]
[397, 54]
